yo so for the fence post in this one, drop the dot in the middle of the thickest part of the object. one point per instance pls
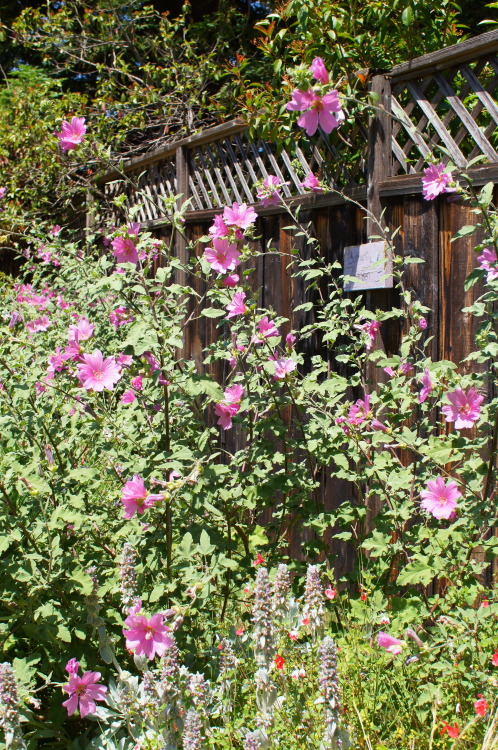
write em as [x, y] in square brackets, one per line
[182, 186]
[379, 148]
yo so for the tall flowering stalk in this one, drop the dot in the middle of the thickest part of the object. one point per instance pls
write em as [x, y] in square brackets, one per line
[263, 633]
[329, 687]
[170, 692]
[128, 577]
[192, 731]
[280, 593]
[313, 609]
[9, 709]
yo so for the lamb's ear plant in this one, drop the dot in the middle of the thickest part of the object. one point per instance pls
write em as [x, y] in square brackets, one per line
[130, 529]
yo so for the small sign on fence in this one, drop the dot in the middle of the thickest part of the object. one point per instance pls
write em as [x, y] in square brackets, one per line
[370, 265]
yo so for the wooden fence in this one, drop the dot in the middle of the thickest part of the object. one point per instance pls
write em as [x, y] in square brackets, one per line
[445, 99]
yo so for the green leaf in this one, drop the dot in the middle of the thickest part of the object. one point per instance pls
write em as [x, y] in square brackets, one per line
[213, 312]
[407, 16]
[416, 572]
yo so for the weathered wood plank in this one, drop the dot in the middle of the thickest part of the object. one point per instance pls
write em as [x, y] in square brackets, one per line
[470, 49]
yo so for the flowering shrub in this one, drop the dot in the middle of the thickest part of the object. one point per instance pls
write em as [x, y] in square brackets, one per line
[112, 448]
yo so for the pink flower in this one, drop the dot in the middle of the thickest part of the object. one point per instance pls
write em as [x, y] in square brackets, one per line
[72, 666]
[293, 635]
[241, 216]
[465, 408]
[133, 228]
[360, 411]
[128, 397]
[494, 659]
[82, 331]
[371, 328]
[440, 499]
[330, 593]
[222, 256]
[147, 636]
[230, 406]
[422, 324]
[137, 383]
[324, 112]
[268, 194]
[237, 306]
[426, 386]
[312, 183]
[435, 181]
[290, 340]
[84, 690]
[283, 367]
[124, 250]
[231, 281]
[72, 133]
[218, 228]
[136, 498]
[120, 316]
[55, 231]
[3, 190]
[58, 360]
[124, 360]
[259, 560]
[405, 368]
[319, 71]
[488, 261]
[233, 394]
[481, 706]
[40, 324]
[385, 620]
[240, 631]
[391, 644]
[266, 329]
[97, 373]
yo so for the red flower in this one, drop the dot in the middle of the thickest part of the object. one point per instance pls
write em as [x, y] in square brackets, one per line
[494, 660]
[279, 661]
[484, 603]
[481, 706]
[259, 560]
[452, 730]
[240, 631]
[363, 596]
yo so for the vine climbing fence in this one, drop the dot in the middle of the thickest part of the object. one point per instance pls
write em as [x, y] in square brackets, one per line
[444, 103]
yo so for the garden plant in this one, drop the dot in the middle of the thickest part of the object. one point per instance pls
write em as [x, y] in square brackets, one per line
[146, 603]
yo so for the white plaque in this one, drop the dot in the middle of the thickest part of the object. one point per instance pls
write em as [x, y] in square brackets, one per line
[371, 264]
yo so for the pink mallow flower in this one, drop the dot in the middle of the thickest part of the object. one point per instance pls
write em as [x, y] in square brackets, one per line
[218, 227]
[435, 181]
[128, 397]
[230, 405]
[241, 216]
[426, 386]
[120, 316]
[83, 692]
[237, 305]
[464, 408]
[268, 194]
[266, 329]
[124, 250]
[324, 112]
[231, 280]
[81, 331]
[311, 182]
[391, 644]
[72, 133]
[222, 256]
[319, 71]
[439, 498]
[136, 498]
[371, 328]
[55, 231]
[488, 262]
[96, 373]
[3, 190]
[40, 324]
[148, 636]
[283, 367]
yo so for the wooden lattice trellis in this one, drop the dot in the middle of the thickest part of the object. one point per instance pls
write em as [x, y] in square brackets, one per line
[442, 103]
[445, 103]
